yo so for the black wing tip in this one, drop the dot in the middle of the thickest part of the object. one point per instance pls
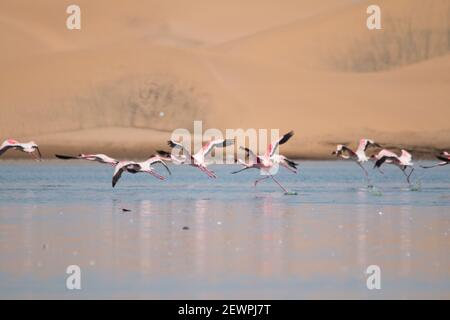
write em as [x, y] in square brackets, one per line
[172, 144]
[292, 163]
[163, 153]
[63, 157]
[286, 137]
[290, 133]
[379, 162]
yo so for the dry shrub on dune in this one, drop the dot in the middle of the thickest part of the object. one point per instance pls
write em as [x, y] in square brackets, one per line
[150, 102]
[402, 41]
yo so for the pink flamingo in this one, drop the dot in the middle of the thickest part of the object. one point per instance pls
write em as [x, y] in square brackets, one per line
[198, 159]
[138, 167]
[359, 155]
[167, 156]
[28, 147]
[101, 158]
[403, 161]
[267, 162]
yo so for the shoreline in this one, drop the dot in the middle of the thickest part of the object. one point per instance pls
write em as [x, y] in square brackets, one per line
[137, 153]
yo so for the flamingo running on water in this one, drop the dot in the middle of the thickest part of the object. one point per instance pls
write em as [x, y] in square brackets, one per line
[403, 161]
[28, 147]
[138, 167]
[267, 162]
[198, 160]
[359, 155]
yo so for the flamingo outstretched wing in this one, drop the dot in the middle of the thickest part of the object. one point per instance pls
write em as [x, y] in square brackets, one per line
[253, 159]
[179, 146]
[167, 156]
[102, 158]
[406, 156]
[364, 144]
[219, 143]
[273, 146]
[251, 155]
[386, 153]
[117, 174]
[383, 159]
[157, 159]
[129, 166]
[440, 164]
[5, 147]
[66, 157]
[343, 151]
[445, 160]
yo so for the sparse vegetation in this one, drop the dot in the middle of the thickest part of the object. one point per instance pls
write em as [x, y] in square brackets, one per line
[401, 42]
[154, 102]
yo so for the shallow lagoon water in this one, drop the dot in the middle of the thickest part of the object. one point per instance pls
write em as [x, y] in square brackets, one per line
[194, 237]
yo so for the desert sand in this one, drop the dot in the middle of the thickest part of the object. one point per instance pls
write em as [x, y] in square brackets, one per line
[137, 70]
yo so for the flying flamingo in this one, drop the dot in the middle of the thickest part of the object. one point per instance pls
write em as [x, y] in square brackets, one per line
[138, 167]
[167, 156]
[102, 158]
[359, 155]
[267, 162]
[403, 161]
[445, 160]
[198, 159]
[29, 147]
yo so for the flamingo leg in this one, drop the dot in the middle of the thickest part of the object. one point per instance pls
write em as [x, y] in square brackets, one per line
[209, 173]
[261, 179]
[408, 175]
[203, 170]
[156, 175]
[276, 181]
[33, 156]
[365, 172]
[404, 172]
[245, 168]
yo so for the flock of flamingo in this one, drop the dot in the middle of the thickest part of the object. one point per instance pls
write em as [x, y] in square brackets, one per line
[265, 163]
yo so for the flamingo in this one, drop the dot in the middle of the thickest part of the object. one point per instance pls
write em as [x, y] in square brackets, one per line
[445, 160]
[28, 147]
[403, 161]
[198, 159]
[101, 158]
[138, 167]
[359, 155]
[167, 156]
[267, 162]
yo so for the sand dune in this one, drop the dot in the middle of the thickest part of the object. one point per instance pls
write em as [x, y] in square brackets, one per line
[138, 70]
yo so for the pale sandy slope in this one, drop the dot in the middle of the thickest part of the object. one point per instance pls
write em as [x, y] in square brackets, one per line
[234, 64]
